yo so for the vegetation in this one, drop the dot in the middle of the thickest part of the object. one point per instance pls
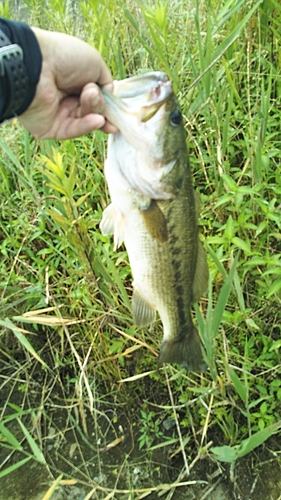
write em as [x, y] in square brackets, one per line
[74, 369]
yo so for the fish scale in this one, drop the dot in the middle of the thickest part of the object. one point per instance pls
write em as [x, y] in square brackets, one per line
[154, 212]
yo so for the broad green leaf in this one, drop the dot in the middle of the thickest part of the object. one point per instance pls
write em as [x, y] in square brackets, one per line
[229, 228]
[241, 244]
[225, 453]
[275, 345]
[226, 198]
[275, 287]
[232, 453]
[252, 324]
[229, 182]
[82, 199]
[255, 440]
[59, 218]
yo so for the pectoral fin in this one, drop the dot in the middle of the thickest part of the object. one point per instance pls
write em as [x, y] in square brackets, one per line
[155, 222]
[108, 220]
[152, 215]
[112, 222]
[201, 276]
[143, 312]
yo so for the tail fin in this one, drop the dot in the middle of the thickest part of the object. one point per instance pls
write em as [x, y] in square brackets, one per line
[185, 350]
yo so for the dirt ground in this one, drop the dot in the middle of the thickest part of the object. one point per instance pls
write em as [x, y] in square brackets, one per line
[79, 450]
[256, 477]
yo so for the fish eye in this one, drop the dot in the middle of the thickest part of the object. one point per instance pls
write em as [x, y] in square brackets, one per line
[175, 118]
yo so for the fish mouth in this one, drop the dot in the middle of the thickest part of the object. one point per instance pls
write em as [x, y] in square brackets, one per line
[140, 95]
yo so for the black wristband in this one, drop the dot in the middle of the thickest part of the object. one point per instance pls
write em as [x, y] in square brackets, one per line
[14, 75]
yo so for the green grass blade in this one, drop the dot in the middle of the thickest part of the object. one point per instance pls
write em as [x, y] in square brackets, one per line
[239, 387]
[219, 52]
[223, 297]
[9, 437]
[231, 453]
[14, 467]
[38, 455]
[275, 287]
[7, 323]
[221, 269]
[118, 281]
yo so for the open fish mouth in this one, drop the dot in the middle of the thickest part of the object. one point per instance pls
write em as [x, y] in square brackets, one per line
[141, 95]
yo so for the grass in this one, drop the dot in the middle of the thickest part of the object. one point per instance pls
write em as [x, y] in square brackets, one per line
[67, 338]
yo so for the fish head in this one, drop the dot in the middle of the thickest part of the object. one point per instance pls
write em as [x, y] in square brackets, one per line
[151, 134]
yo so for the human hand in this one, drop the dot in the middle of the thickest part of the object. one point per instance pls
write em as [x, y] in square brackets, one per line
[67, 102]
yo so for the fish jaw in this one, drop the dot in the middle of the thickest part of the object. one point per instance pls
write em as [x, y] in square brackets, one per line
[131, 95]
[136, 152]
[134, 104]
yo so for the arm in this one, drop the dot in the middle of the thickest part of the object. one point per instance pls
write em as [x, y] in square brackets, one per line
[66, 102]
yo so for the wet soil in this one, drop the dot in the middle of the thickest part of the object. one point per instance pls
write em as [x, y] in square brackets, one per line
[260, 481]
[98, 454]
[84, 457]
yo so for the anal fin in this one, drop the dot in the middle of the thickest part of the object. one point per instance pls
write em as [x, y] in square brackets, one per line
[143, 312]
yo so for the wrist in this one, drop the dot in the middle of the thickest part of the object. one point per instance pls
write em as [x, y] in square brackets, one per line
[13, 76]
[21, 66]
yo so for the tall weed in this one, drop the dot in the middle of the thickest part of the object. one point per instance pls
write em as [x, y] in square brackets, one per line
[223, 58]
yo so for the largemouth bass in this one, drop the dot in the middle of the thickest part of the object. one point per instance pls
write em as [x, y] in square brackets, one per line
[154, 211]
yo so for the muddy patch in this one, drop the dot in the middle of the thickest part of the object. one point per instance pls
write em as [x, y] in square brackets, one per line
[98, 457]
[95, 445]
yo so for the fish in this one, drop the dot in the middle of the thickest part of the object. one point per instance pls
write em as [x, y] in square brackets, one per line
[154, 211]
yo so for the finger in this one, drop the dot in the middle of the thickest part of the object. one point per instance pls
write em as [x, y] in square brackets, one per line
[75, 127]
[76, 63]
[69, 123]
[91, 100]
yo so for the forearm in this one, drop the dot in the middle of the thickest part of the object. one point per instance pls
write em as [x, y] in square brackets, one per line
[20, 34]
